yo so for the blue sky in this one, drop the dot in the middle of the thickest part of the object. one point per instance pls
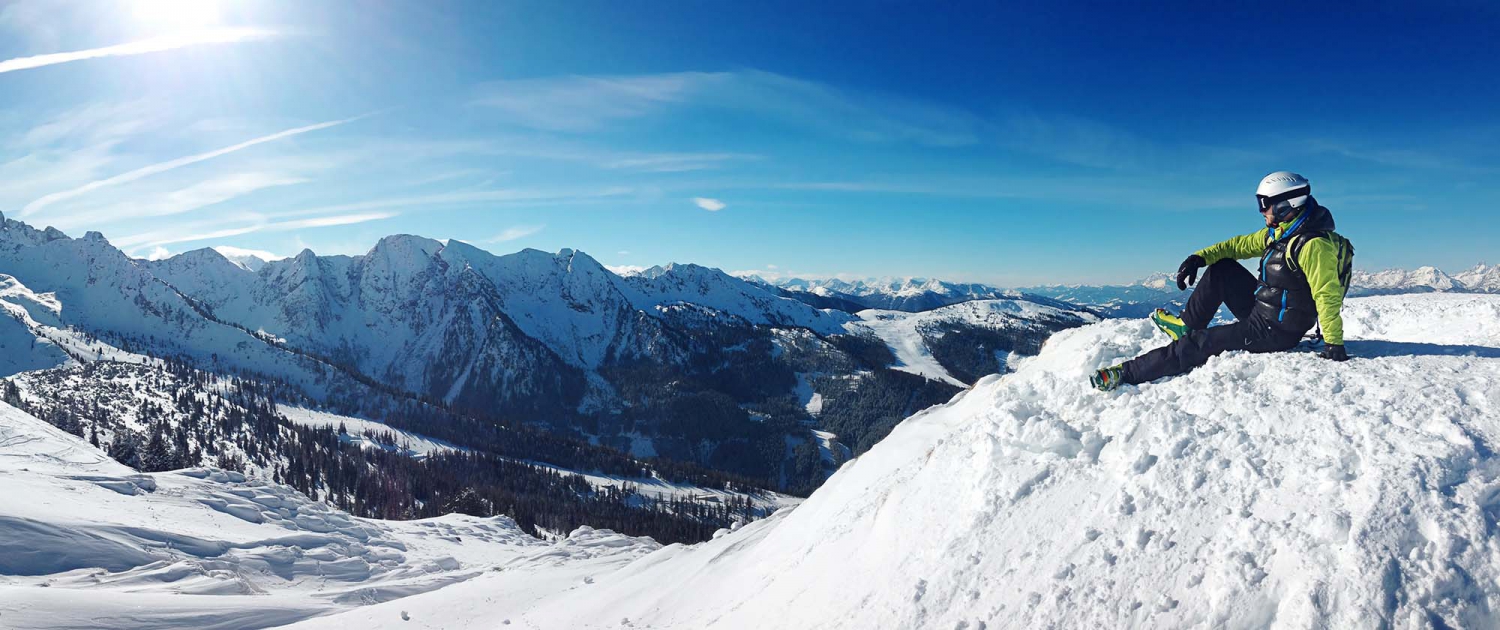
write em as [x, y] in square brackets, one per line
[1014, 143]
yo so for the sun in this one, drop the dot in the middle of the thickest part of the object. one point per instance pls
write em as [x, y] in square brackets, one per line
[176, 15]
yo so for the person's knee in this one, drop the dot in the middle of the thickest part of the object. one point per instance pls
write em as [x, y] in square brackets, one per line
[1222, 267]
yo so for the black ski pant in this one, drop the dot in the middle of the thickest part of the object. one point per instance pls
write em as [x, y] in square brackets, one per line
[1225, 283]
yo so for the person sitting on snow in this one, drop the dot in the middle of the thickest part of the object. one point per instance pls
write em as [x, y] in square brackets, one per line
[1304, 274]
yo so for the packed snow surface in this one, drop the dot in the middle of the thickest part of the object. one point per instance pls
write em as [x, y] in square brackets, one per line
[1277, 490]
[88, 543]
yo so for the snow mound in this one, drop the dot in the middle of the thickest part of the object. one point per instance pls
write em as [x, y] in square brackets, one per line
[87, 542]
[1260, 490]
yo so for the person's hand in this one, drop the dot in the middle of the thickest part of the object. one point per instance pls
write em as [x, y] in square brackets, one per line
[1334, 352]
[1188, 273]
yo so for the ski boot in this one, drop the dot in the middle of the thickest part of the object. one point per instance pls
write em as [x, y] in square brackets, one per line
[1108, 378]
[1169, 323]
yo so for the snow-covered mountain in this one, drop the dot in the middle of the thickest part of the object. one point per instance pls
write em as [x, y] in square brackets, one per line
[1481, 278]
[401, 314]
[1258, 487]
[554, 339]
[912, 295]
[1419, 280]
[459, 323]
[1136, 299]
[251, 260]
[90, 299]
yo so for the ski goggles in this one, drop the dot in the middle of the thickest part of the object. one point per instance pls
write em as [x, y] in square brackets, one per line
[1282, 202]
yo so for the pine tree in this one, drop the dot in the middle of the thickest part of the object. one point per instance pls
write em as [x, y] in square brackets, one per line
[126, 449]
[10, 394]
[158, 455]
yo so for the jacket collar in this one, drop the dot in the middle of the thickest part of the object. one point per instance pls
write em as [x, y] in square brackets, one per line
[1317, 219]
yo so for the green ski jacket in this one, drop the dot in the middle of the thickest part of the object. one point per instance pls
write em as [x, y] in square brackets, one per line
[1318, 260]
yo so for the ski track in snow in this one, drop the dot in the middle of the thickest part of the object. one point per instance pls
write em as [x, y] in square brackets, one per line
[1260, 490]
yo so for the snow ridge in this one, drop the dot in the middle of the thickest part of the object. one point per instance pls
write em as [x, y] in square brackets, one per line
[204, 548]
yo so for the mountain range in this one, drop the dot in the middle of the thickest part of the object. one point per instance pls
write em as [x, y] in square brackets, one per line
[681, 361]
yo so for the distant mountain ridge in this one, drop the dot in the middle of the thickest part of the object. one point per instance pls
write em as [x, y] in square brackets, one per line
[915, 295]
[911, 295]
[1481, 278]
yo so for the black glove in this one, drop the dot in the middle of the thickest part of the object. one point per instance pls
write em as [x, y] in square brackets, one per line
[1188, 273]
[1334, 352]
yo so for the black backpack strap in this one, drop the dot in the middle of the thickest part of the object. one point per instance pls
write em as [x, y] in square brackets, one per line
[1294, 248]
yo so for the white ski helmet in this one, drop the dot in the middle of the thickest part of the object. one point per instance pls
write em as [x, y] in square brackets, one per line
[1284, 193]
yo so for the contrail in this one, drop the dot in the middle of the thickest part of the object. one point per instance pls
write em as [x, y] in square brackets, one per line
[155, 44]
[161, 167]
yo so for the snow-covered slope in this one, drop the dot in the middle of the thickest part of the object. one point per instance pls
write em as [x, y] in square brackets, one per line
[908, 334]
[22, 344]
[1274, 490]
[88, 543]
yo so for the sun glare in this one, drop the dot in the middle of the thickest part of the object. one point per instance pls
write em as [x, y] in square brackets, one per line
[176, 15]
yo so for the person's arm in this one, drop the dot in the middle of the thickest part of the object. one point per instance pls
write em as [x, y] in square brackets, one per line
[1238, 248]
[1320, 262]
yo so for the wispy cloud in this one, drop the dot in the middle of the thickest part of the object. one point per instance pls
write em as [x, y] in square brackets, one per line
[458, 198]
[68, 147]
[709, 204]
[583, 103]
[350, 213]
[672, 162]
[1405, 158]
[202, 194]
[516, 232]
[1112, 189]
[90, 124]
[159, 238]
[162, 167]
[155, 44]
[1074, 140]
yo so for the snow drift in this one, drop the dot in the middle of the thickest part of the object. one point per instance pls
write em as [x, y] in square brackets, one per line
[88, 543]
[1260, 490]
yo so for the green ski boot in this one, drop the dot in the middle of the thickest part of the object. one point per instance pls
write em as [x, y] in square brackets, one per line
[1169, 323]
[1108, 378]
